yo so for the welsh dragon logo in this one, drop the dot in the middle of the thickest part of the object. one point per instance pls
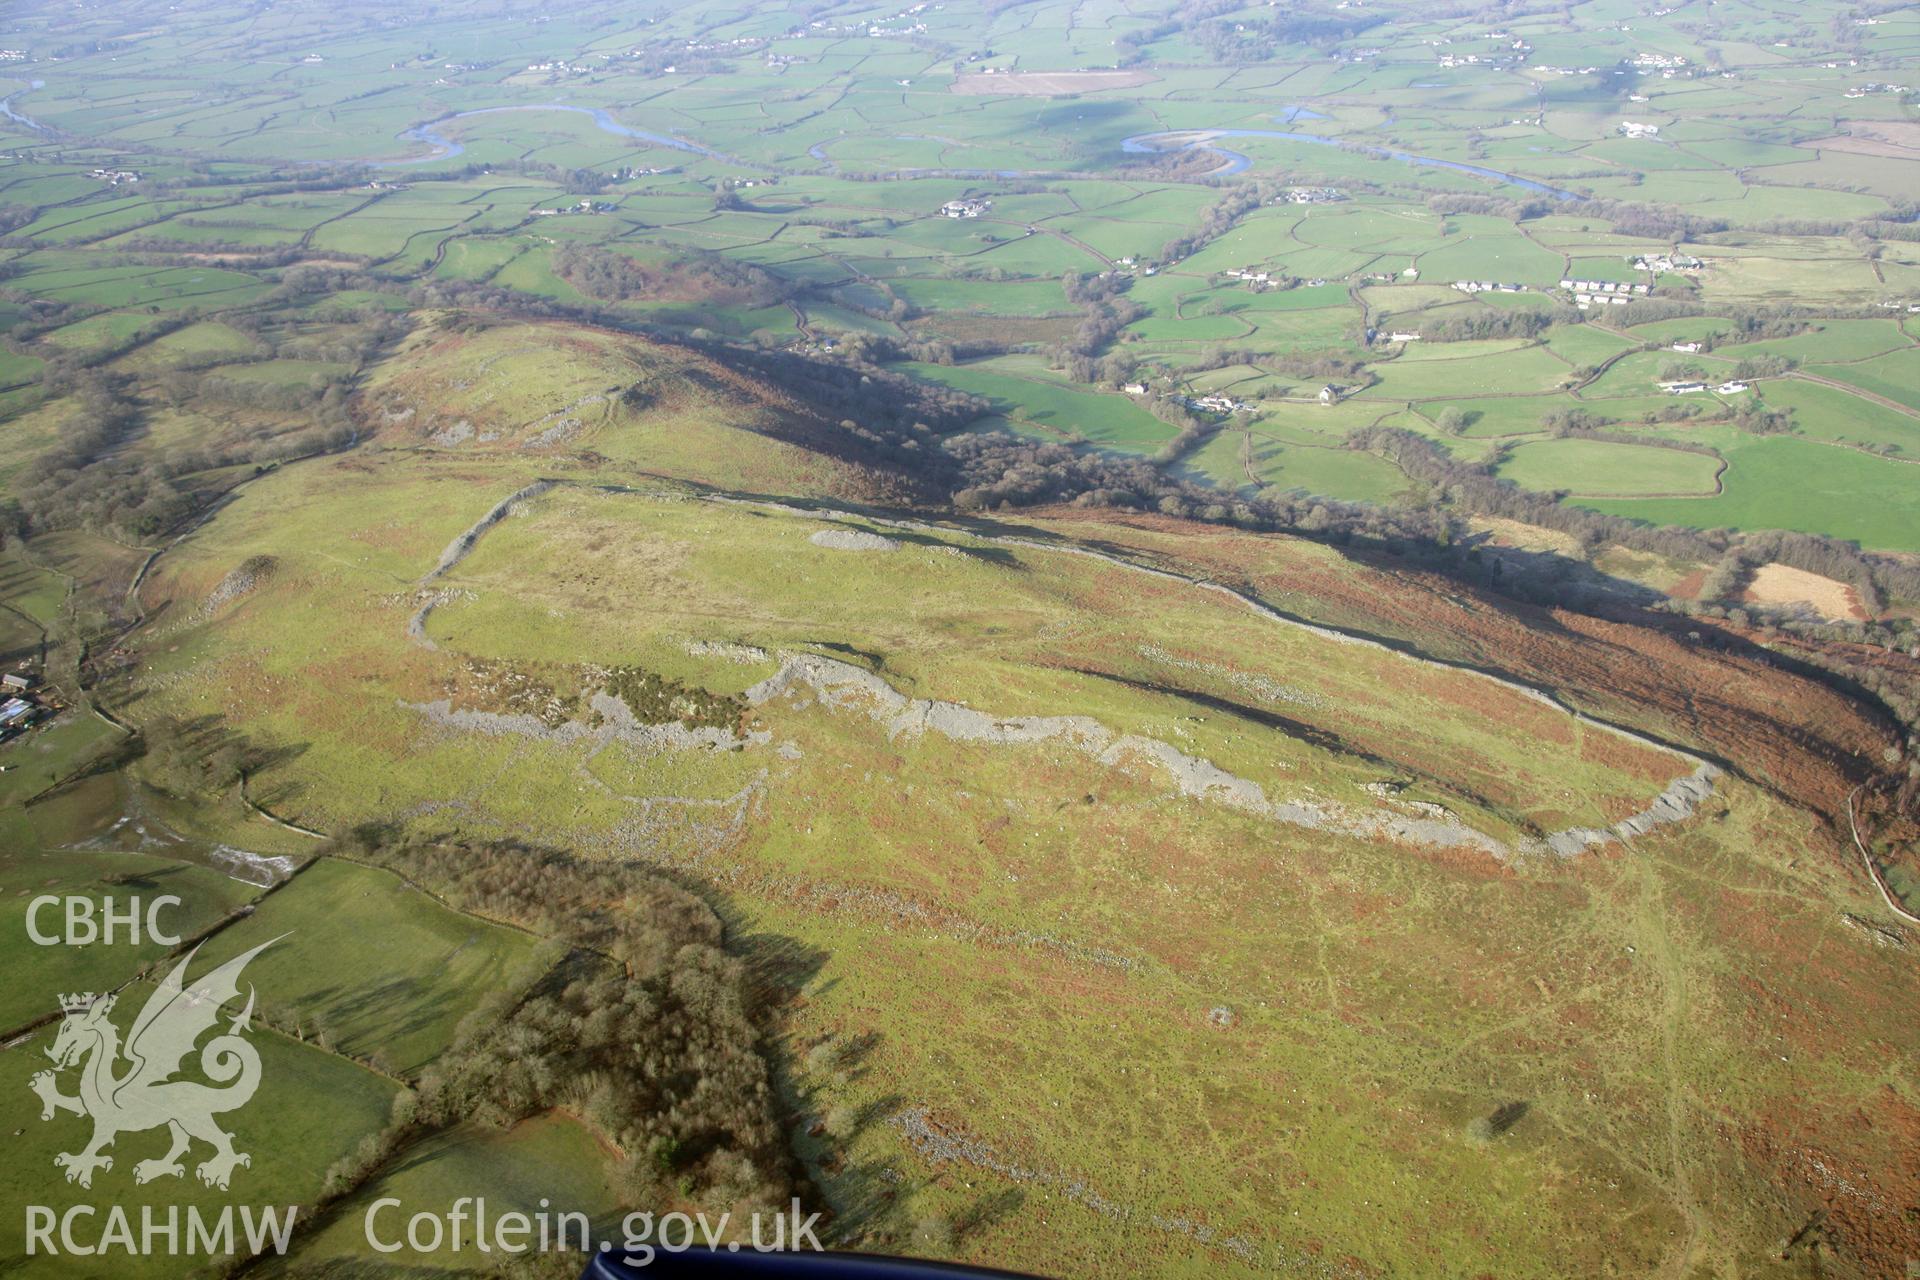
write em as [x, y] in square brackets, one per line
[131, 1087]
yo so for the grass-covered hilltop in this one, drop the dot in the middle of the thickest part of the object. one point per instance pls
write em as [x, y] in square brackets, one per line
[1101, 638]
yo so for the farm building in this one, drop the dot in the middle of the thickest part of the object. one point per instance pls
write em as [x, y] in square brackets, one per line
[1603, 286]
[1218, 403]
[1658, 262]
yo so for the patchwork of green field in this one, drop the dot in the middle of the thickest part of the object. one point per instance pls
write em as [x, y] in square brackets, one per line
[16, 369]
[886, 245]
[1782, 483]
[129, 883]
[1495, 415]
[196, 345]
[106, 329]
[1829, 341]
[1501, 255]
[1636, 376]
[1585, 345]
[150, 288]
[1687, 329]
[1794, 484]
[1006, 298]
[1467, 370]
[1046, 402]
[1320, 469]
[1600, 468]
[397, 1004]
[1822, 412]
[1895, 376]
[480, 259]
[311, 1109]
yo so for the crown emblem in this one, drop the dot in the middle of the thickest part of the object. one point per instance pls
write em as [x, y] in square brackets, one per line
[78, 1002]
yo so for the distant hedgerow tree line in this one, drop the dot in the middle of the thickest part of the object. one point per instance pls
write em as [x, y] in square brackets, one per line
[1229, 35]
[90, 477]
[1105, 309]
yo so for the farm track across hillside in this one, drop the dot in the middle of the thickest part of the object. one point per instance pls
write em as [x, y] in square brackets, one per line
[1873, 872]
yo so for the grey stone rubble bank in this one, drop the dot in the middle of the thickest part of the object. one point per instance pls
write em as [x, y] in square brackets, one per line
[843, 686]
[616, 724]
[1680, 800]
[852, 540]
[461, 547]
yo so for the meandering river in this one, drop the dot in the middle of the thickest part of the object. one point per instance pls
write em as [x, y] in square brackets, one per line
[446, 148]
[1235, 162]
[6, 109]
